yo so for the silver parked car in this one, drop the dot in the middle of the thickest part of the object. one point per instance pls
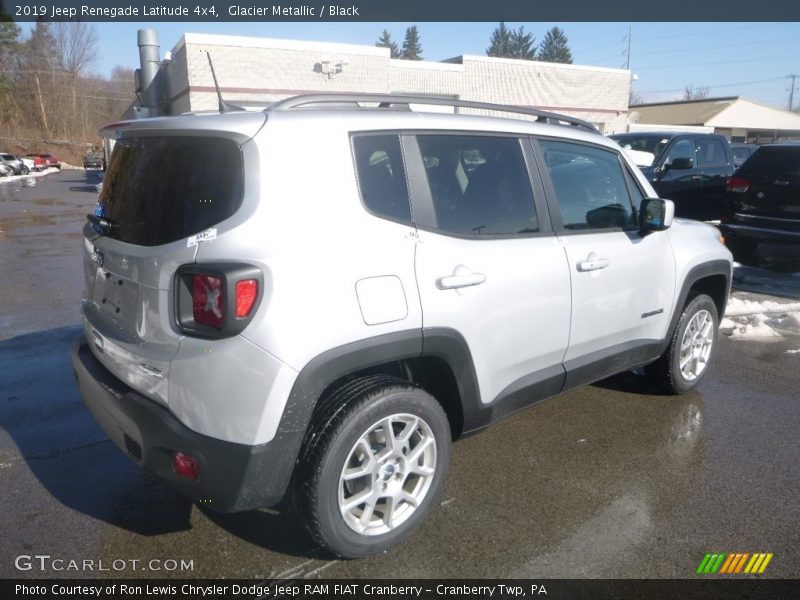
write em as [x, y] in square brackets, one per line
[15, 163]
[316, 299]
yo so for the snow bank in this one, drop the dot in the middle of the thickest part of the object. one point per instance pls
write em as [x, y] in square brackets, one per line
[749, 319]
[32, 174]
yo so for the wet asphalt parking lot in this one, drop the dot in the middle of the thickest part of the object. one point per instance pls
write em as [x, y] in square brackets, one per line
[611, 480]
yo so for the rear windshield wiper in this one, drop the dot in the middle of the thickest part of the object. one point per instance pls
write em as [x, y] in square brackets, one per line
[104, 224]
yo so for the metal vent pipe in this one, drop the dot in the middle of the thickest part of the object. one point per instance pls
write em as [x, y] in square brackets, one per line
[150, 59]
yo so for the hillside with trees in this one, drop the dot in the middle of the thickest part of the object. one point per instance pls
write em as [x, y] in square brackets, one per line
[50, 98]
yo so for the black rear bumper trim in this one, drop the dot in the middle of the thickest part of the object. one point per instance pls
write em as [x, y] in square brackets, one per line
[233, 477]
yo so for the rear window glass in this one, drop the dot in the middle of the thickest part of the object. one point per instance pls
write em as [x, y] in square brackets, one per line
[773, 161]
[382, 177]
[158, 190]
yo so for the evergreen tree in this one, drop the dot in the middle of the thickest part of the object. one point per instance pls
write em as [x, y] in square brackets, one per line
[412, 49]
[555, 47]
[500, 42]
[385, 41]
[522, 44]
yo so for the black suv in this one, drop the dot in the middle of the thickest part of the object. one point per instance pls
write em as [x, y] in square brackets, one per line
[763, 200]
[688, 168]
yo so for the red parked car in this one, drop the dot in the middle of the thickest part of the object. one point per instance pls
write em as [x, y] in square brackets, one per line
[44, 161]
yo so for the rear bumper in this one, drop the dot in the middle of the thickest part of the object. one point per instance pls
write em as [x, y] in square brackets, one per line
[760, 234]
[233, 477]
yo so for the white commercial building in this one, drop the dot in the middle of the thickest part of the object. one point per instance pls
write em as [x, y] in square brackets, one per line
[254, 72]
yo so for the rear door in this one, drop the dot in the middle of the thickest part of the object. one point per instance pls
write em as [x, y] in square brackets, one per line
[158, 192]
[772, 192]
[622, 281]
[488, 264]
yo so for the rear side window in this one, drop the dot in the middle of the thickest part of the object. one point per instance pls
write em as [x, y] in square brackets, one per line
[710, 152]
[479, 185]
[382, 176]
[740, 153]
[773, 161]
[590, 185]
[158, 190]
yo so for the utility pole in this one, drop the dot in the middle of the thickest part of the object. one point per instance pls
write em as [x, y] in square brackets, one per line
[791, 92]
[628, 53]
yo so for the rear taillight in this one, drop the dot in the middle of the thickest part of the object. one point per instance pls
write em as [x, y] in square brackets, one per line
[217, 300]
[208, 300]
[738, 184]
[246, 295]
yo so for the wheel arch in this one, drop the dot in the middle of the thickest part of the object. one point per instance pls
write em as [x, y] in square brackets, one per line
[712, 278]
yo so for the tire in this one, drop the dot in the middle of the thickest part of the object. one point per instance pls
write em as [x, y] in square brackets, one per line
[349, 434]
[25, 170]
[685, 362]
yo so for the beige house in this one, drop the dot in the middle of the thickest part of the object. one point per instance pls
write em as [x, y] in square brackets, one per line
[737, 119]
[254, 72]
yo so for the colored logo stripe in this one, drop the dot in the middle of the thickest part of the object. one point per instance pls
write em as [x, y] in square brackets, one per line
[734, 562]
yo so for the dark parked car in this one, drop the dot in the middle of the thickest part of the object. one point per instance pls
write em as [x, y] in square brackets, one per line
[688, 168]
[93, 160]
[763, 200]
[14, 163]
[741, 152]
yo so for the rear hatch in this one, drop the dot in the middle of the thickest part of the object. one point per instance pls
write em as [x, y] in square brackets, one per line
[765, 190]
[161, 190]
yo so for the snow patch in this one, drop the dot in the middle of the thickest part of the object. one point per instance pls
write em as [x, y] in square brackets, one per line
[795, 351]
[753, 319]
[739, 307]
[30, 176]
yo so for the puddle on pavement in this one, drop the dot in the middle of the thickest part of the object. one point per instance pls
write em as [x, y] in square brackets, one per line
[8, 190]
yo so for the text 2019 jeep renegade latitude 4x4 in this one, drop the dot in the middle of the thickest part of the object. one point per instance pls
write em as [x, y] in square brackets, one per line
[317, 298]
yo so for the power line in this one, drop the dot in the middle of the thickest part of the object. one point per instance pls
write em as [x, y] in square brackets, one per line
[711, 87]
[697, 48]
[664, 37]
[721, 62]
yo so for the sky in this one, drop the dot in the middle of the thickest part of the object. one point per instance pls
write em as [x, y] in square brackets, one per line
[752, 60]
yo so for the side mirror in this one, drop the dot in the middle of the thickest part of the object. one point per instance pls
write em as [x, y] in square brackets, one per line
[655, 214]
[680, 164]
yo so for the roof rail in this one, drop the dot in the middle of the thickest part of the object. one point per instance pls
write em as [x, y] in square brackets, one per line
[393, 101]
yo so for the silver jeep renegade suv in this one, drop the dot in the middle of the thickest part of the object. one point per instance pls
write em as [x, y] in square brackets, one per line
[312, 301]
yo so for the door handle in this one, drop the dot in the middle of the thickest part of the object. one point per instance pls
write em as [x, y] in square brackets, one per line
[696, 177]
[593, 264]
[452, 282]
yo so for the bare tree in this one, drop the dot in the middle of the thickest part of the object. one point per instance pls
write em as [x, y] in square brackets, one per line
[693, 93]
[76, 45]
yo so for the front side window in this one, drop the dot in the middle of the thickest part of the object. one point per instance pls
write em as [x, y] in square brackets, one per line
[479, 185]
[382, 176]
[683, 148]
[590, 186]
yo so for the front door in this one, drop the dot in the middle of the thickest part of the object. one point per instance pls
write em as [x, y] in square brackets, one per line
[623, 282]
